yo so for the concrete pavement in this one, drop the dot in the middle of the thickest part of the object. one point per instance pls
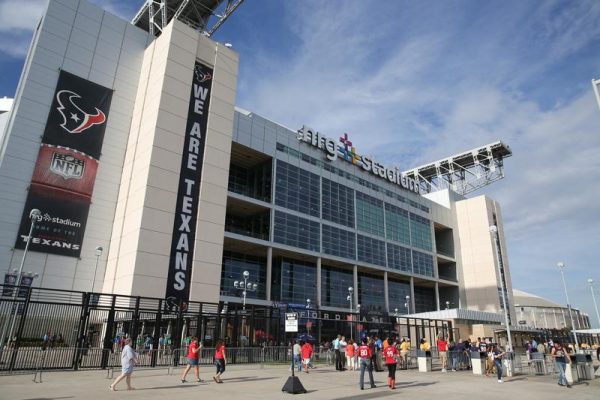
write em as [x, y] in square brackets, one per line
[251, 382]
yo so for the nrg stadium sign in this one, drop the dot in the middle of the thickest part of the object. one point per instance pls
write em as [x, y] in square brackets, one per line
[345, 150]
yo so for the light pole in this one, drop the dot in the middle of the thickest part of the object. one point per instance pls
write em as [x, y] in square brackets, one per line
[245, 286]
[561, 267]
[98, 250]
[34, 215]
[308, 322]
[407, 304]
[494, 231]
[447, 305]
[349, 298]
[591, 282]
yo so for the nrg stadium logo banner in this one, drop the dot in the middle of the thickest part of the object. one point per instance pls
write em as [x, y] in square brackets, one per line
[344, 149]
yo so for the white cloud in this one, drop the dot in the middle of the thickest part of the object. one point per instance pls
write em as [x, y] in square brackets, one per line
[20, 15]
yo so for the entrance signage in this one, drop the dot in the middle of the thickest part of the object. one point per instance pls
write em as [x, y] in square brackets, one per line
[291, 322]
[346, 151]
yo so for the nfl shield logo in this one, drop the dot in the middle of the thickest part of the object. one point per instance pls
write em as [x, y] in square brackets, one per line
[67, 166]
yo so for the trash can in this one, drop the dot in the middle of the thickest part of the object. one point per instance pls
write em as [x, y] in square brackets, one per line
[478, 359]
[585, 368]
[424, 360]
[538, 363]
[571, 372]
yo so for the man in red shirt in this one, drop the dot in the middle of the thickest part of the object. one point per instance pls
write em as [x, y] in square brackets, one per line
[306, 352]
[364, 355]
[442, 346]
[391, 358]
[192, 360]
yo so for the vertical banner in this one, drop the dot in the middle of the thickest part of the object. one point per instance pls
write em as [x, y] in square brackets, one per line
[65, 171]
[186, 209]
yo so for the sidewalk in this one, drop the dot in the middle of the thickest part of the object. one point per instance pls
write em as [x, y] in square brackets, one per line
[250, 382]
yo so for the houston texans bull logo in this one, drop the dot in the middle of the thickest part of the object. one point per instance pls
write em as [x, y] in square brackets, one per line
[201, 76]
[75, 120]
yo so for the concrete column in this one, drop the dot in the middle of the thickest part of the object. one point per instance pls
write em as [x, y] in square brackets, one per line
[319, 282]
[386, 292]
[437, 295]
[412, 295]
[355, 272]
[269, 272]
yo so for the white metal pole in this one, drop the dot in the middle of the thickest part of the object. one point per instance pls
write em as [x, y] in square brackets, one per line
[591, 282]
[561, 266]
[494, 230]
[33, 215]
[595, 83]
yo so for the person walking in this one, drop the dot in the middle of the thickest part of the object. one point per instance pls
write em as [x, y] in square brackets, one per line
[296, 354]
[350, 355]
[364, 355]
[498, 356]
[128, 357]
[306, 352]
[193, 357]
[220, 360]
[391, 359]
[561, 358]
[442, 346]
[343, 345]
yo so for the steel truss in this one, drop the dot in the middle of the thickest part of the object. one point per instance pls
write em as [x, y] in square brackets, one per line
[464, 172]
[154, 15]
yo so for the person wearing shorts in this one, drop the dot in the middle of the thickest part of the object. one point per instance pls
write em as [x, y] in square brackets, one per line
[193, 357]
[220, 360]
[306, 352]
[128, 357]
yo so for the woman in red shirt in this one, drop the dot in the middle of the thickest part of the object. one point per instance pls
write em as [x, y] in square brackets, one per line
[192, 359]
[391, 358]
[220, 361]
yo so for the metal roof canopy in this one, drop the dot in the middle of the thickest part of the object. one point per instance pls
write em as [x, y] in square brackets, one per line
[464, 172]
[154, 15]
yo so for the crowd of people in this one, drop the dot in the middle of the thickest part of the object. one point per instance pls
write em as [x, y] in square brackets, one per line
[370, 354]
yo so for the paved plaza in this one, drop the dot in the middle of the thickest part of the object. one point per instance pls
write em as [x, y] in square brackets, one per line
[252, 382]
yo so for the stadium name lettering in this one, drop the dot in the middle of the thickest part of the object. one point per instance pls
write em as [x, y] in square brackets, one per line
[344, 149]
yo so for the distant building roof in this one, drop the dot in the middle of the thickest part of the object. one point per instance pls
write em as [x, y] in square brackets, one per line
[524, 299]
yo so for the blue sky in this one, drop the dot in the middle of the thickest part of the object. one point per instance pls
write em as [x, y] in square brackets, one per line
[416, 81]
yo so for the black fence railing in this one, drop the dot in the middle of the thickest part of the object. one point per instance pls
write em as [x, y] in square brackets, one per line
[58, 329]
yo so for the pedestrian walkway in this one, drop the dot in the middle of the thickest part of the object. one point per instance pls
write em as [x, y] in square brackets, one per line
[251, 382]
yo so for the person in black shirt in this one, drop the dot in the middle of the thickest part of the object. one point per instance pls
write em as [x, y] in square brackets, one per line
[561, 358]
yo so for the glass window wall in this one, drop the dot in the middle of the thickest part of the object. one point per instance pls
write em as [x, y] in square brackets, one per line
[371, 250]
[334, 286]
[369, 214]
[399, 258]
[396, 224]
[422, 263]
[294, 281]
[234, 265]
[297, 232]
[420, 232]
[397, 292]
[337, 203]
[370, 290]
[297, 189]
[339, 242]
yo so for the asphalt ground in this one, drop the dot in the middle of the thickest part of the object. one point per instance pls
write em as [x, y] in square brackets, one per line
[253, 382]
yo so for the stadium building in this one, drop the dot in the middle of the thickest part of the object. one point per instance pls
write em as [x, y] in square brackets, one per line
[150, 182]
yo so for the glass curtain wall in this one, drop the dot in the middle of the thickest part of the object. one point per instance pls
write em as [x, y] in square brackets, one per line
[334, 286]
[294, 281]
[234, 265]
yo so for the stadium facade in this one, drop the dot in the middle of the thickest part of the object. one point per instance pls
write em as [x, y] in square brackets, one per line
[133, 144]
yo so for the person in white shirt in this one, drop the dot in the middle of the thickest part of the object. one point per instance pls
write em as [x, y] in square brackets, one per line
[128, 357]
[343, 345]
